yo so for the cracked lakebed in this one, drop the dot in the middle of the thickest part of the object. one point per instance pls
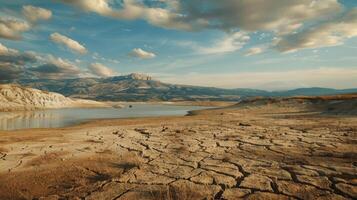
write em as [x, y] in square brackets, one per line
[218, 154]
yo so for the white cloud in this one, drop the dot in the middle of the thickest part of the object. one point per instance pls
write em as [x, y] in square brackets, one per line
[7, 51]
[254, 51]
[34, 14]
[139, 53]
[101, 70]
[327, 34]
[230, 43]
[102, 7]
[12, 28]
[132, 9]
[337, 77]
[68, 42]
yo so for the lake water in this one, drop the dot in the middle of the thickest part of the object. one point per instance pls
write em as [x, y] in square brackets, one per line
[54, 118]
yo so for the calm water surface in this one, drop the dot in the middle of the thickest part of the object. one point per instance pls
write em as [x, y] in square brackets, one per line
[54, 118]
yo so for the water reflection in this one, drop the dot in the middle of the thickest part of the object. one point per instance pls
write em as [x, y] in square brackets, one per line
[30, 119]
[65, 117]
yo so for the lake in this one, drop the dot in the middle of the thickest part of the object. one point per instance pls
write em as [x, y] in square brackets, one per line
[55, 118]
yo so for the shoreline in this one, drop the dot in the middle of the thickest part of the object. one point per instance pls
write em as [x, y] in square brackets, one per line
[79, 122]
[118, 105]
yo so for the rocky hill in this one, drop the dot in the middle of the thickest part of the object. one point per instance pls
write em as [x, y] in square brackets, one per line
[15, 97]
[139, 87]
[336, 104]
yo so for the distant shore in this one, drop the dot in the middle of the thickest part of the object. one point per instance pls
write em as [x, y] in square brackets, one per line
[178, 103]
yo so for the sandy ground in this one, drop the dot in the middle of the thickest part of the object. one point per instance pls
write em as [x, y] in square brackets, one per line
[222, 154]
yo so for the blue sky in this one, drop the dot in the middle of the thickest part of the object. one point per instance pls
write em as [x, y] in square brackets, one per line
[203, 48]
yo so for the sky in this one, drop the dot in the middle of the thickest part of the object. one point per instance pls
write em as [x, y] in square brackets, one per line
[261, 44]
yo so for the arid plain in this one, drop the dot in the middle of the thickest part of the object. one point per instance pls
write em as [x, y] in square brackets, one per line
[178, 99]
[264, 149]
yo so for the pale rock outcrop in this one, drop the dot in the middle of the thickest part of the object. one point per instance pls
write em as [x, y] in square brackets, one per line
[14, 97]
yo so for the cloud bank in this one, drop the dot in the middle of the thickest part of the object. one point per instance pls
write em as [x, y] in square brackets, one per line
[15, 64]
[56, 68]
[12, 62]
[331, 33]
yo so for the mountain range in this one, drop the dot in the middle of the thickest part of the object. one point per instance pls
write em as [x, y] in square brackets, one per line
[140, 87]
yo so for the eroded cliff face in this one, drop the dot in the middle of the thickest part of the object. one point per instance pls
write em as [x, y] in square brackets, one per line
[15, 97]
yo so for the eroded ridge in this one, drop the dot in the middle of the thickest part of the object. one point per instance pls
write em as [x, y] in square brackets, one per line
[227, 154]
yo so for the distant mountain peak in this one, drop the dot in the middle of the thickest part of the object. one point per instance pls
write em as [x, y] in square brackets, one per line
[138, 76]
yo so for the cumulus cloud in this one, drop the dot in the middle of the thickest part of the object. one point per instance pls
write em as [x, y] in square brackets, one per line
[34, 14]
[230, 43]
[102, 7]
[254, 51]
[56, 68]
[12, 28]
[68, 42]
[101, 70]
[139, 53]
[132, 9]
[327, 34]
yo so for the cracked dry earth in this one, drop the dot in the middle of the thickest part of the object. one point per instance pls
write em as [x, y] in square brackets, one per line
[221, 154]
